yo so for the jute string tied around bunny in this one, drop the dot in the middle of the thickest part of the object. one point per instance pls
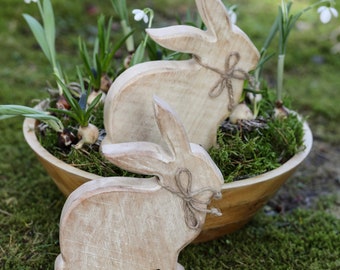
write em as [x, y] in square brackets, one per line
[192, 206]
[230, 72]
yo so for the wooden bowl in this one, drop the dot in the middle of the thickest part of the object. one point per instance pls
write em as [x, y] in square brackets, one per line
[240, 200]
[66, 177]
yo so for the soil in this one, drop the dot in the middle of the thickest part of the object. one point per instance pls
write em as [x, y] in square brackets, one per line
[314, 185]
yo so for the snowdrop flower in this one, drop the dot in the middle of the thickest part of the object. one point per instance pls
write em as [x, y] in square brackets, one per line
[140, 15]
[326, 13]
[254, 98]
[29, 1]
[232, 14]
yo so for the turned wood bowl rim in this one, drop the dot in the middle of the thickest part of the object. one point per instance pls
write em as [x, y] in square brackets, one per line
[34, 143]
[292, 163]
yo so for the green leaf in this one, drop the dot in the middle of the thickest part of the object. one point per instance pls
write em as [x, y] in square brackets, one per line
[7, 111]
[116, 46]
[92, 106]
[120, 42]
[95, 53]
[49, 27]
[84, 54]
[39, 34]
[272, 33]
[139, 54]
[67, 94]
[101, 36]
[76, 112]
[99, 69]
[3, 117]
[69, 113]
[108, 35]
[18, 110]
[120, 8]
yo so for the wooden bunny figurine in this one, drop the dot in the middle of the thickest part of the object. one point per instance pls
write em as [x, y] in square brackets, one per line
[202, 90]
[141, 223]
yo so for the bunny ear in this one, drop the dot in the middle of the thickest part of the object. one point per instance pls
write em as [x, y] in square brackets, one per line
[138, 157]
[150, 158]
[182, 38]
[172, 130]
[189, 39]
[213, 13]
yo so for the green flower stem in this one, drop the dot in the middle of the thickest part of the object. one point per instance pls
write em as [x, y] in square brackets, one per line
[280, 72]
[138, 56]
[150, 12]
[287, 21]
[283, 25]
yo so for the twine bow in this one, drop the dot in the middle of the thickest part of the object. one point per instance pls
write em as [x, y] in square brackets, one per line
[192, 206]
[225, 82]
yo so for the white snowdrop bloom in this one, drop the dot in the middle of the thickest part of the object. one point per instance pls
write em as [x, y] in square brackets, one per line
[233, 16]
[326, 13]
[254, 98]
[140, 15]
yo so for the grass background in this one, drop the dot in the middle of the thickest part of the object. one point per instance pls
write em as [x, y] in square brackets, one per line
[30, 204]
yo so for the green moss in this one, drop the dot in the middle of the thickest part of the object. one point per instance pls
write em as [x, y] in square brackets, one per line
[299, 240]
[247, 154]
[87, 158]
[238, 155]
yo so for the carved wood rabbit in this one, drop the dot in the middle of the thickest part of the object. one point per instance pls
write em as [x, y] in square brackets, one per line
[141, 223]
[202, 90]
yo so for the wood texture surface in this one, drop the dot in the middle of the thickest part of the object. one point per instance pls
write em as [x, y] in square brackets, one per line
[202, 90]
[141, 223]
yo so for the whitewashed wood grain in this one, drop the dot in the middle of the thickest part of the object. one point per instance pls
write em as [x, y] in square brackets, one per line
[141, 223]
[196, 89]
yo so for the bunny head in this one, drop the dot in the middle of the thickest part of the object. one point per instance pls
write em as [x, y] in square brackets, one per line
[185, 169]
[208, 46]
